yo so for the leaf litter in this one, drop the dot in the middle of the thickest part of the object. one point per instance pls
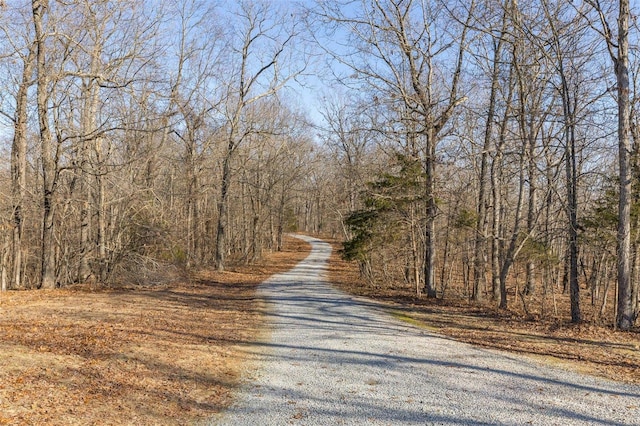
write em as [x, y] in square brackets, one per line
[146, 356]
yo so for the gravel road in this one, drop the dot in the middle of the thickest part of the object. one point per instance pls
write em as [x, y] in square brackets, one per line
[334, 359]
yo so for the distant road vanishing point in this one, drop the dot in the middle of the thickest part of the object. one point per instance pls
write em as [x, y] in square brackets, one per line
[335, 359]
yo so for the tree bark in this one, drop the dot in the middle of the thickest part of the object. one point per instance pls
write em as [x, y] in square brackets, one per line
[512, 249]
[572, 199]
[569, 117]
[625, 315]
[480, 249]
[222, 210]
[19, 167]
[431, 211]
[48, 259]
[572, 212]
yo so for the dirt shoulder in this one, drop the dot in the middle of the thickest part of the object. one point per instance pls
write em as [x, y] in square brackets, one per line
[140, 356]
[591, 349]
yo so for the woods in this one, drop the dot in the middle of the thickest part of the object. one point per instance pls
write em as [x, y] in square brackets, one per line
[141, 134]
[484, 150]
[509, 108]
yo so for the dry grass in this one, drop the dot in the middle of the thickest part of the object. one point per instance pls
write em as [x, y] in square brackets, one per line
[597, 350]
[140, 356]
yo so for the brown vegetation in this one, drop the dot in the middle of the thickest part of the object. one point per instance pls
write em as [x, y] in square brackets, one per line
[157, 355]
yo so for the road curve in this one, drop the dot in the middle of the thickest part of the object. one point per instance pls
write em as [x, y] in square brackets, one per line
[333, 359]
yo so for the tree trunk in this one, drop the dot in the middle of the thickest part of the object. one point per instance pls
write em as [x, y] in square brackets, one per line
[625, 315]
[497, 245]
[103, 261]
[19, 167]
[281, 216]
[480, 248]
[431, 210]
[504, 258]
[531, 211]
[572, 204]
[574, 287]
[89, 112]
[84, 269]
[414, 250]
[445, 251]
[47, 271]
[222, 209]
[512, 249]
[496, 226]
[5, 266]
[569, 116]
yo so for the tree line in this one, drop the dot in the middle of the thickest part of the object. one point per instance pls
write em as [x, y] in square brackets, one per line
[483, 149]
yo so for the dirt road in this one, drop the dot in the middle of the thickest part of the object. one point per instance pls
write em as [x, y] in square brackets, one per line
[335, 359]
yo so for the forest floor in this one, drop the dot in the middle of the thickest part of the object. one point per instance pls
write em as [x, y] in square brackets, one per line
[592, 349]
[158, 355]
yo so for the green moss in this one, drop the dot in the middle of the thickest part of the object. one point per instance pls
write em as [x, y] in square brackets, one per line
[404, 317]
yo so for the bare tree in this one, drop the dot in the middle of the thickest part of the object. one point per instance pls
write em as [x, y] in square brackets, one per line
[349, 137]
[564, 53]
[260, 67]
[193, 101]
[26, 51]
[619, 52]
[480, 249]
[625, 315]
[48, 156]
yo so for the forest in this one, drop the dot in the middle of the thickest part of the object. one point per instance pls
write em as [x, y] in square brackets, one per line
[478, 150]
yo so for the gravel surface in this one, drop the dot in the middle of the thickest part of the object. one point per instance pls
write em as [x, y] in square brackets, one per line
[335, 359]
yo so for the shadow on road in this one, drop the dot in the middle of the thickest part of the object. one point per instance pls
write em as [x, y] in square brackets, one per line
[335, 356]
